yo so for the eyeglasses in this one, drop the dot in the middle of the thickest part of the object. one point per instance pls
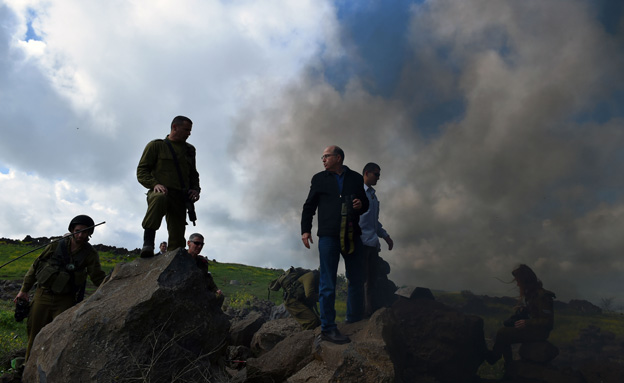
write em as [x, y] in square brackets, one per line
[326, 156]
[197, 243]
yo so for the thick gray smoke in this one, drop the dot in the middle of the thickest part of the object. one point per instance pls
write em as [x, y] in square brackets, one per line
[520, 172]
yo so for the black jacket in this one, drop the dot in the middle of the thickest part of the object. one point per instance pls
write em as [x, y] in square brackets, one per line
[325, 196]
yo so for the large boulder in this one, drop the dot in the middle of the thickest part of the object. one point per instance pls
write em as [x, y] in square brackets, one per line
[152, 320]
[271, 333]
[414, 340]
[243, 330]
[538, 352]
[292, 355]
[426, 337]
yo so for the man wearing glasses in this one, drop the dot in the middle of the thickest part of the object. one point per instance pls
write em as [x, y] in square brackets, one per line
[339, 195]
[195, 245]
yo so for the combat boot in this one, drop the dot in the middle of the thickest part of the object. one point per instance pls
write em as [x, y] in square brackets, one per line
[149, 236]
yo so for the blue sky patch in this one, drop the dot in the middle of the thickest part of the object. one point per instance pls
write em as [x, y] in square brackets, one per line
[30, 32]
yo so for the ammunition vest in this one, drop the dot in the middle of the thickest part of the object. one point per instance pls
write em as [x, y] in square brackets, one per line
[290, 283]
[61, 272]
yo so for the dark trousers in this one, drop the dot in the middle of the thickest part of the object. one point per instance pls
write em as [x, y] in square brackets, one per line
[329, 257]
[506, 336]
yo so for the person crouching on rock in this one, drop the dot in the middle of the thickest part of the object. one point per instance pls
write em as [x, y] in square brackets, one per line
[532, 321]
[195, 244]
[61, 274]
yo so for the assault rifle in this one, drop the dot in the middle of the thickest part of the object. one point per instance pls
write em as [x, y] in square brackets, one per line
[190, 206]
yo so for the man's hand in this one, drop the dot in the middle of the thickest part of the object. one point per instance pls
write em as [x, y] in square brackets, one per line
[520, 324]
[307, 239]
[160, 189]
[357, 204]
[21, 295]
[193, 195]
[390, 242]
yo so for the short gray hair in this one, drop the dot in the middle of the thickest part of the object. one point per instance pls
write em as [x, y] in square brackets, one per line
[195, 235]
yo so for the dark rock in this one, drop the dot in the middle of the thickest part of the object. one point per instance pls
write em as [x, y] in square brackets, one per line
[153, 320]
[537, 372]
[602, 371]
[279, 312]
[237, 356]
[415, 340]
[293, 353]
[428, 338]
[271, 333]
[412, 292]
[539, 352]
[243, 330]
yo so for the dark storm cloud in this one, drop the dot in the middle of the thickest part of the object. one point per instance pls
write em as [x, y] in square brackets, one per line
[513, 173]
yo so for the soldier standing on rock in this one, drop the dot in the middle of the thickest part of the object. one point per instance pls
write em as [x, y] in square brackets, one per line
[167, 168]
[60, 273]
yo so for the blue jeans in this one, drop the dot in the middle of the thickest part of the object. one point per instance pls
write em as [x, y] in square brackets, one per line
[329, 256]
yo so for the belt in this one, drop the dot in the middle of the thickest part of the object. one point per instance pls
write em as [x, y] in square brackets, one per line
[48, 291]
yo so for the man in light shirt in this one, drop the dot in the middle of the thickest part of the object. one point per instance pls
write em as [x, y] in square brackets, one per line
[372, 230]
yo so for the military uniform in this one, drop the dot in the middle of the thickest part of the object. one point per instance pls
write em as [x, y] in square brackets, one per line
[300, 300]
[157, 166]
[56, 285]
[538, 326]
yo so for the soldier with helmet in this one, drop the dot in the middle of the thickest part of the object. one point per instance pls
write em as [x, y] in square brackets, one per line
[60, 275]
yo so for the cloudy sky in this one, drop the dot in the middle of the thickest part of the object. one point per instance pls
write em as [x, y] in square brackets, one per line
[498, 126]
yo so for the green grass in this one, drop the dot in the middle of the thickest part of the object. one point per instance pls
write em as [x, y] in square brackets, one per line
[12, 335]
[252, 281]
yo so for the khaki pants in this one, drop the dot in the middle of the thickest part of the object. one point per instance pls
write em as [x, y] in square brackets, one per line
[306, 317]
[44, 308]
[172, 206]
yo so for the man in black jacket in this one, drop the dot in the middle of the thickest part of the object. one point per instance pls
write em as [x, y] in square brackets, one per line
[338, 193]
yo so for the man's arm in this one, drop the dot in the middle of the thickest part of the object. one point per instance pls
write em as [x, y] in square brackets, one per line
[94, 269]
[146, 164]
[309, 209]
[389, 241]
[194, 189]
[30, 277]
[382, 233]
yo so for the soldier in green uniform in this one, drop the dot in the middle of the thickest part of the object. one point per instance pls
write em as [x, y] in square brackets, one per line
[60, 273]
[170, 184]
[532, 322]
[300, 295]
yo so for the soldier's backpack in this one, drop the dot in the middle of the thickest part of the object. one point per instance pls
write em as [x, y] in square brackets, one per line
[289, 283]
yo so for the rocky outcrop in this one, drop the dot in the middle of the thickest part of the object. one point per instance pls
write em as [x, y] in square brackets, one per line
[152, 320]
[414, 340]
[243, 330]
[271, 333]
